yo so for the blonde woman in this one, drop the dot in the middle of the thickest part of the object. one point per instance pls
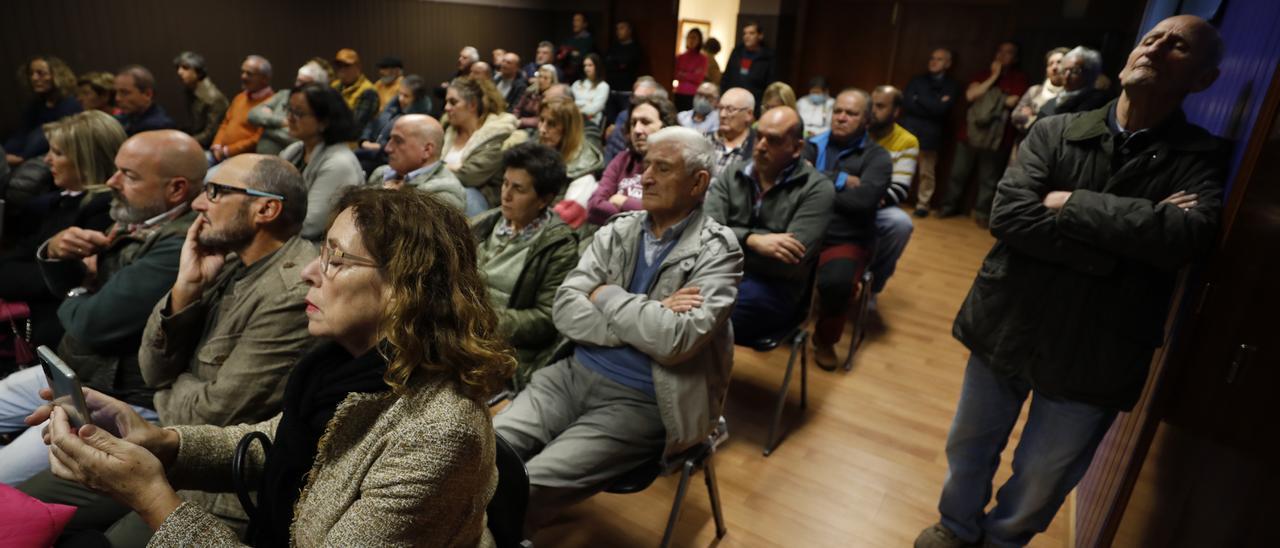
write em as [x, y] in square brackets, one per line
[473, 141]
[82, 150]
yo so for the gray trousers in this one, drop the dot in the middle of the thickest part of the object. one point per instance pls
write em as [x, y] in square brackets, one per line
[576, 430]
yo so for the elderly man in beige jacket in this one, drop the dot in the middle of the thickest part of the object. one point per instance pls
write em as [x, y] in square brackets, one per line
[647, 313]
[219, 346]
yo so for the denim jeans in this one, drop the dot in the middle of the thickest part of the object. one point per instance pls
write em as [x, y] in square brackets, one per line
[893, 231]
[1056, 448]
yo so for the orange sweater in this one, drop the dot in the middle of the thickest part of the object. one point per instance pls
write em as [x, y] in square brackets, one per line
[236, 133]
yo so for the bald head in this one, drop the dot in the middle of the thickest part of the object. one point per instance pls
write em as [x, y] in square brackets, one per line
[481, 70]
[155, 172]
[780, 138]
[737, 111]
[557, 90]
[784, 118]
[510, 65]
[886, 106]
[1179, 56]
[416, 140]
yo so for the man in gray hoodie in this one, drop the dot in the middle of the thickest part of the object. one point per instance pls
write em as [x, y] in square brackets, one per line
[647, 315]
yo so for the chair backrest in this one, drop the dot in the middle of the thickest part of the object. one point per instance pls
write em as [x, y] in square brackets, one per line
[511, 497]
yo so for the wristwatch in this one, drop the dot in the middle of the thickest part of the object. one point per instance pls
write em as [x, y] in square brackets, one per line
[77, 292]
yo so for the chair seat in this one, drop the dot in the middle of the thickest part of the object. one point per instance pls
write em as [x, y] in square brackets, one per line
[636, 480]
[771, 342]
[641, 477]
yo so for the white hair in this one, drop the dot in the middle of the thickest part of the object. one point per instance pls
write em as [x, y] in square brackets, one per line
[472, 53]
[698, 152]
[315, 73]
[1090, 62]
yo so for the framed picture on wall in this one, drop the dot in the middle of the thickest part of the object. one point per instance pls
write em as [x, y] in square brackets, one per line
[687, 25]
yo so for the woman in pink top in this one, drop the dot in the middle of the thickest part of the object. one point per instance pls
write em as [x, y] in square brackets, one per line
[620, 189]
[691, 69]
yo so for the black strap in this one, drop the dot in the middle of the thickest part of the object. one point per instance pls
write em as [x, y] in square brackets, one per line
[238, 461]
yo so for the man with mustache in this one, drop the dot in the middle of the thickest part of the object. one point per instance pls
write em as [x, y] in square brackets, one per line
[220, 345]
[1093, 224]
[112, 280]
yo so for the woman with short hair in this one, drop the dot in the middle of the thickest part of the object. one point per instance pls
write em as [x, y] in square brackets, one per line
[473, 140]
[322, 123]
[526, 109]
[96, 91]
[385, 438]
[525, 251]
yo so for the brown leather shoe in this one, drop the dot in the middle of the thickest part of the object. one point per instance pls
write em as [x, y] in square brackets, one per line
[938, 536]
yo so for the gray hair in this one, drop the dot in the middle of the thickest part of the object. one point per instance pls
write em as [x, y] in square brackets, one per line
[276, 175]
[698, 152]
[472, 53]
[1090, 62]
[550, 69]
[264, 66]
[651, 82]
[315, 72]
[191, 60]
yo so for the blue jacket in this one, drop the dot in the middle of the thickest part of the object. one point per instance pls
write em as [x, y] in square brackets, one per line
[853, 218]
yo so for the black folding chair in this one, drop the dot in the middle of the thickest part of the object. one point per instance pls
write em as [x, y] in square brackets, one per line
[510, 499]
[798, 334]
[698, 457]
[862, 306]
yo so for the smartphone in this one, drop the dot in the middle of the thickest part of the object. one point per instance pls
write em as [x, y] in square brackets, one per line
[67, 392]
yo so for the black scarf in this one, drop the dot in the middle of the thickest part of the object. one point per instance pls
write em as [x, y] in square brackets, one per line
[318, 383]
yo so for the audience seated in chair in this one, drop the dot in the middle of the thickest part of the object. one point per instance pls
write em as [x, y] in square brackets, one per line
[560, 126]
[237, 135]
[509, 81]
[622, 185]
[478, 125]
[893, 225]
[390, 75]
[703, 117]
[735, 138]
[322, 124]
[359, 93]
[384, 438]
[646, 311]
[412, 97]
[82, 152]
[526, 110]
[413, 156]
[273, 114]
[1080, 68]
[616, 134]
[112, 280]
[525, 251]
[135, 97]
[778, 206]
[860, 170]
[206, 105]
[220, 345]
[96, 91]
[53, 87]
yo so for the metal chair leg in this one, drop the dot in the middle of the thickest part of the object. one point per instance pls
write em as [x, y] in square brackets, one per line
[772, 442]
[803, 340]
[685, 473]
[713, 491]
[859, 319]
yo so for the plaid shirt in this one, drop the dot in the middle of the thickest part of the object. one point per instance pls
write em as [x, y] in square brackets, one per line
[726, 155]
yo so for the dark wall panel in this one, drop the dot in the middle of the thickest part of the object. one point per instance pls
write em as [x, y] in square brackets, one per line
[108, 35]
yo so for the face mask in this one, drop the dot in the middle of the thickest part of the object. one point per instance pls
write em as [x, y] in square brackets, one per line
[701, 106]
[817, 98]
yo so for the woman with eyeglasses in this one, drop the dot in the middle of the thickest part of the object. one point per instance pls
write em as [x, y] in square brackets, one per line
[322, 123]
[385, 438]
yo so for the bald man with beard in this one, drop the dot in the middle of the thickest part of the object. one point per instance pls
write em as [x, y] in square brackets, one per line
[413, 161]
[112, 280]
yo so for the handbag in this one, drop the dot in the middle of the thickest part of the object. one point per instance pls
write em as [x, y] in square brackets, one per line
[21, 351]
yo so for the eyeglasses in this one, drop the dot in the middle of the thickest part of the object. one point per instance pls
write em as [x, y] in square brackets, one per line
[296, 114]
[330, 256]
[726, 110]
[1072, 71]
[212, 190]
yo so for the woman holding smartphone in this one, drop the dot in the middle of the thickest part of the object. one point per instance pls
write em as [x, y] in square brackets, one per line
[385, 438]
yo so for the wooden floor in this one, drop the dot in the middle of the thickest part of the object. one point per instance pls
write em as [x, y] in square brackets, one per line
[864, 465]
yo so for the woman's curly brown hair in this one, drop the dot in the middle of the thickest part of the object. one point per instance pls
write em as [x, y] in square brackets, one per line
[439, 318]
[64, 81]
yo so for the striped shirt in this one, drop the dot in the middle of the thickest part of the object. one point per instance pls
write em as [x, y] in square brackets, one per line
[903, 148]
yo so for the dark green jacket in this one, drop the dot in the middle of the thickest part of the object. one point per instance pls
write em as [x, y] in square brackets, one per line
[526, 320]
[1075, 301]
[104, 328]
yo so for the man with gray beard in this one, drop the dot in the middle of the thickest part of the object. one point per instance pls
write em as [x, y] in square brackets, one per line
[220, 345]
[112, 280]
